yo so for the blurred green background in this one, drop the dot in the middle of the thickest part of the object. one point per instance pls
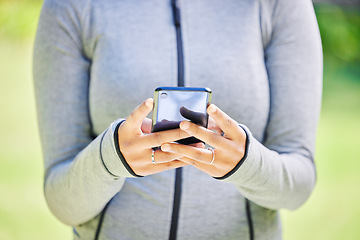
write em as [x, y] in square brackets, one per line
[333, 210]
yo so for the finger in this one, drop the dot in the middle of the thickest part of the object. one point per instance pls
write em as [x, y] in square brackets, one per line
[159, 157]
[164, 157]
[206, 135]
[146, 126]
[198, 154]
[156, 168]
[226, 123]
[158, 138]
[209, 169]
[138, 115]
[213, 126]
[198, 145]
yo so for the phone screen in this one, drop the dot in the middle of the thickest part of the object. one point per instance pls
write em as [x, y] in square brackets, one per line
[173, 105]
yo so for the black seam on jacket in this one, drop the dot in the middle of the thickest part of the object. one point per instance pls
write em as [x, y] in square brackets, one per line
[249, 219]
[98, 229]
[116, 140]
[247, 142]
[102, 160]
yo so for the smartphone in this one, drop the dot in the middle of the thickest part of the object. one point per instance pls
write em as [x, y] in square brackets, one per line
[173, 105]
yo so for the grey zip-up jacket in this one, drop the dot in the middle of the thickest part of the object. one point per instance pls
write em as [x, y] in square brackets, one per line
[96, 60]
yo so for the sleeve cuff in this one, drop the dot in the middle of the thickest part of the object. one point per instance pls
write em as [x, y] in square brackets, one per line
[247, 165]
[111, 156]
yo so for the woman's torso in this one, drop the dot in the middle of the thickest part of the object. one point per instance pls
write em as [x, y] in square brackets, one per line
[133, 49]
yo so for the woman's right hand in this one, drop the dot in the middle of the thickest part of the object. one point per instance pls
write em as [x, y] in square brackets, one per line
[136, 146]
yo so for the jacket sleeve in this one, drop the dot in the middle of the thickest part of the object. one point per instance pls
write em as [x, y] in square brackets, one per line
[82, 172]
[280, 171]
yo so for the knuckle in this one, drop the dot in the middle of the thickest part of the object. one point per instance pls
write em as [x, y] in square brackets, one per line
[163, 157]
[213, 139]
[157, 139]
[142, 107]
[183, 134]
[195, 129]
[228, 122]
[126, 146]
[180, 134]
[132, 115]
[218, 113]
[194, 163]
[199, 156]
[167, 165]
[176, 149]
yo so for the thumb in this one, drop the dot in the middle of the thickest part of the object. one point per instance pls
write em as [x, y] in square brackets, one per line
[146, 125]
[137, 116]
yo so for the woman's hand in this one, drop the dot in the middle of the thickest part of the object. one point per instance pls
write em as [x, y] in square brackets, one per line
[229, 147]
[136, 146]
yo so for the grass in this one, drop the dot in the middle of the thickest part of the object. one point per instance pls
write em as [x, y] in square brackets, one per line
[331, 212]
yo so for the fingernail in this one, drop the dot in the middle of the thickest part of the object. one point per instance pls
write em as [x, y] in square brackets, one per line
[165, 147]
[148, 102]
[211, 108]
[184, 125]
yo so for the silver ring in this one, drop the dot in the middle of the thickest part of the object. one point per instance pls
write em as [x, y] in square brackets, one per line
[153, 156]
[213, 155]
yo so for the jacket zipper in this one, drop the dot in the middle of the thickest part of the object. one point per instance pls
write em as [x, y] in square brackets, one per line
[178, 176]
[249, 219]
[180, 54]
[181, 83]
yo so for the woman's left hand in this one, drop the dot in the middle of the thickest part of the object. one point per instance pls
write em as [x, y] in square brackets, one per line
[229, 147]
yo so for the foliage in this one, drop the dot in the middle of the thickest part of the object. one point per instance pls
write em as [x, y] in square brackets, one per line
[340, 33]
[18, 19]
